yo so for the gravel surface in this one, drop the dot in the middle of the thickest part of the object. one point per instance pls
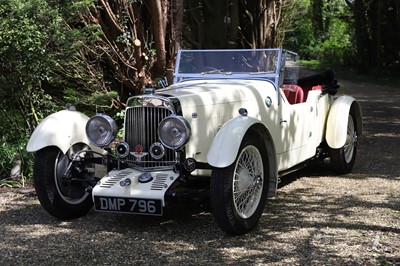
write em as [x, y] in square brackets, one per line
[316, 219]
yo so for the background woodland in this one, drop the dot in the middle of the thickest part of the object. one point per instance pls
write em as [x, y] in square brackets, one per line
[97, 53]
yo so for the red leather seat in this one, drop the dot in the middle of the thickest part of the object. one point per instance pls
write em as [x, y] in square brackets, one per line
[293, 93]
[317, 88]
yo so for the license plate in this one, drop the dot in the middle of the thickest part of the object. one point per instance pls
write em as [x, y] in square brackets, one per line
[128, 205]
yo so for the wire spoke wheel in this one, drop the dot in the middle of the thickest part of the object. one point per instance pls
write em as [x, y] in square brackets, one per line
[351, 140]
[343, 159]
[248, 182]
[239, 192]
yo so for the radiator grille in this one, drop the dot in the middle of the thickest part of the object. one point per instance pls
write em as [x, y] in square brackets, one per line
[141, 125]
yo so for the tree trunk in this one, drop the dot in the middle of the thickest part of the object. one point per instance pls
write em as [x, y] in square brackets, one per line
[158, 11]
[362, 39]
[317, 21]
[232, 23]
[175, 15]
[260, 23]
[376, 27]
[215, 19]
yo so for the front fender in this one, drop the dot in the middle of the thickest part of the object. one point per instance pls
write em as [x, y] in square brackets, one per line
[225, 146]
[336, 129]
[62, 129]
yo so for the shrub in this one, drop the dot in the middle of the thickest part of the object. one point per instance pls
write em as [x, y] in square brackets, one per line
[9, 153]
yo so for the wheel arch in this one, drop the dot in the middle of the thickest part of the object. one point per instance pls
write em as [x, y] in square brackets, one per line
[338, 118]
[61, 129]
[226, 144]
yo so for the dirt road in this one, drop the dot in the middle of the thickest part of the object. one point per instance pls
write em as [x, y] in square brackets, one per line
[316, 218]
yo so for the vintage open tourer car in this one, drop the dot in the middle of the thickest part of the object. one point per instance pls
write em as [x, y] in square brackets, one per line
[229, 127]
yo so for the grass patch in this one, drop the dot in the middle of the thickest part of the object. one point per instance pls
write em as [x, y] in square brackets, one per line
[315, 64]
[12, 183]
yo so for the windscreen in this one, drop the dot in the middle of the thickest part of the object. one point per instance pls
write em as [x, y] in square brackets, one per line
[229, 61]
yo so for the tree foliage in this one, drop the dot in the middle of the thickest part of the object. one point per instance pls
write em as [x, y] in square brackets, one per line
[323, 30]
[358, 33]
[25, 52]
[97, 53]
[38, 55]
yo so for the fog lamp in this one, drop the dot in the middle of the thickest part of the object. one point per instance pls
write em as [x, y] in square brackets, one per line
[122, 149]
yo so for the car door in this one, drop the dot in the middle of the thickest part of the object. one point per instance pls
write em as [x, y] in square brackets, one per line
[295, 124]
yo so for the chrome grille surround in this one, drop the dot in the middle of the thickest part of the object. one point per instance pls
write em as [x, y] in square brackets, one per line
[142, 117]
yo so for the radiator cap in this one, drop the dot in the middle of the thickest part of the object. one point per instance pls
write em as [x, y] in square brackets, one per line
[145, 177]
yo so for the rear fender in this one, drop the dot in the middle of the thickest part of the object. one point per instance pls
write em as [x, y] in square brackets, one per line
[336, 129]
[62, 129]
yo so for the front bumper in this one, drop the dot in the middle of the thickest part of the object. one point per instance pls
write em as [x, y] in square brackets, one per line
[133, 196]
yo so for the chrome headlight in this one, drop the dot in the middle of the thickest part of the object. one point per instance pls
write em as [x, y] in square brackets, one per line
[101, 130]
[174, 132]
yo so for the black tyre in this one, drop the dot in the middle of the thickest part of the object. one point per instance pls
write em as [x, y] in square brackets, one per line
[239, 191]
[62, 198]
[343, 159]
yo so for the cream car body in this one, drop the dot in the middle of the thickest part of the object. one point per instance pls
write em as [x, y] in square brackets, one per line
[232, 124]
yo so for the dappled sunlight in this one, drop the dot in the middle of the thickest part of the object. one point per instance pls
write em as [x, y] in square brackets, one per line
[381, 136]
[312, 219]
[330, 211]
